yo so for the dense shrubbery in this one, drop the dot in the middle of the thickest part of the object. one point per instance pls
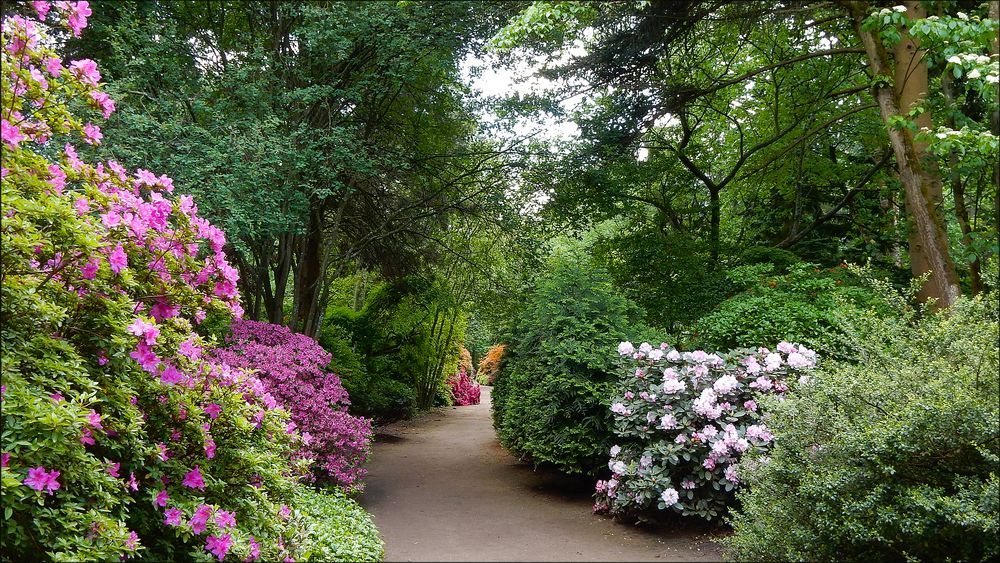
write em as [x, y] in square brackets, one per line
[683, 421]
[121, 435]
[891, 458]
[292, 368]
[684, 268]
[800, 306]
[549, 396]
[405, 342]
[464, 389]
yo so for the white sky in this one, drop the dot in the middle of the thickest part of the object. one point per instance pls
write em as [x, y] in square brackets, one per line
[496, 80]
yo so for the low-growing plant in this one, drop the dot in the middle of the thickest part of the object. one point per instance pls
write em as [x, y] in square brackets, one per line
[340, 529]
[891, 456]
[684, 420]
[292, 367]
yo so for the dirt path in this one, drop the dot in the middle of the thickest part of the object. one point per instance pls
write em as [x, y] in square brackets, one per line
[441, 489]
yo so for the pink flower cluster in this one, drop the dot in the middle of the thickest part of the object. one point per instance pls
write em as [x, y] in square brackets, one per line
[153, 253]
[685, 420]
[292, 369]
[464, 389]
[42, 480]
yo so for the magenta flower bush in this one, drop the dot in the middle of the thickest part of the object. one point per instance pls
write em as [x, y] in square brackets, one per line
[121, 434]
[292, 367]
[684, 420]
[464, 390]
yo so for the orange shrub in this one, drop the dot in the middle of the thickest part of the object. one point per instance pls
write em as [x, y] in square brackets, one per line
[490, 364]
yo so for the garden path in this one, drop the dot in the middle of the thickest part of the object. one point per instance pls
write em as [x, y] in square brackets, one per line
[441, 488]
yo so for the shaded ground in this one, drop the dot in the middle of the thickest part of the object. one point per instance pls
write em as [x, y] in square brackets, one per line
[442, 489]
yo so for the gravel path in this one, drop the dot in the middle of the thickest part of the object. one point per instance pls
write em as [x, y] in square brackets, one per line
[442, 489]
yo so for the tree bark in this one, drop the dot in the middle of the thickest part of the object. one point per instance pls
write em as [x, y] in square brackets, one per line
[309, 272]
[929, 245]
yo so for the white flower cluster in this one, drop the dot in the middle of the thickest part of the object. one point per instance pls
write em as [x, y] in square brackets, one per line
[956, 134]
[886, 11]
[971, 59]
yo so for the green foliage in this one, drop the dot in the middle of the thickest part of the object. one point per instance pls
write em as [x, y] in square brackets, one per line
[340, 528]
[780, 258]
[396, 352]
[550, 397]
[891, 456]
[801, 306]
[377, 387]
[682, 268]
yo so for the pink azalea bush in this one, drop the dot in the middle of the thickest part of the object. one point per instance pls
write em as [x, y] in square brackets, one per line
[120, 433]
[684, 420]
[292, 367]
[464, 390]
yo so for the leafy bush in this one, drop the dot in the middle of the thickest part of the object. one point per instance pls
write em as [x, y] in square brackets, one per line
[465, 360]
[340, 528]
[344, 361]
[781, 259]
[684, 420]
[890, 457]
[801, 306]
[407, 334]
[292, 368]
[490, 364]
[464, 390]
[549, 396]
[121, 436]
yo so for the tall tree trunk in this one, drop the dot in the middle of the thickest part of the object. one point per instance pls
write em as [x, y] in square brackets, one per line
[309, 272]
[274, 302]
[929, 245]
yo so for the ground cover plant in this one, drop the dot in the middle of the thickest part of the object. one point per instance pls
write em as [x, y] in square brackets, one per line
[684, 420]
[121, 435]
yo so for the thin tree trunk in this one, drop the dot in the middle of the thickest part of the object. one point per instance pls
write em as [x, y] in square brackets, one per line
[994, 13]
[715, 209]
[274, 303]
[958, 192]
[929, 246]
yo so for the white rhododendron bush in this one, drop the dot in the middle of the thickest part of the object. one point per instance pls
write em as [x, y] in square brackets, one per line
[684, 420]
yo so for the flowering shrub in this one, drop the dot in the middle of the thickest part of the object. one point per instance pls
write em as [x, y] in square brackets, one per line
[120, 434]
[684, 421]
[489, 366]
[464, 389]
[292, 367]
